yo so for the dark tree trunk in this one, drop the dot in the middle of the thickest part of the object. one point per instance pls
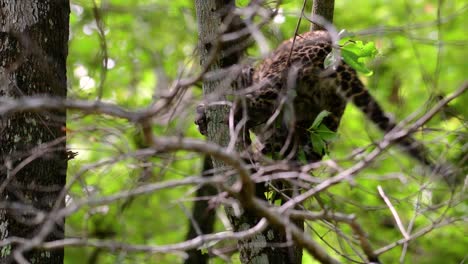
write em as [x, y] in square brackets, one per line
[203, 216]
[270, 246]
[33, 156]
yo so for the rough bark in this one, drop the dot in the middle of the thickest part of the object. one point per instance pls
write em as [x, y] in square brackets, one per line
[33, 157]
[325, 9]
[268, 246]
[209, 22]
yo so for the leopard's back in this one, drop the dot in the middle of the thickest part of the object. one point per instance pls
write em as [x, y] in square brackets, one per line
[293, 70]
[294, 74]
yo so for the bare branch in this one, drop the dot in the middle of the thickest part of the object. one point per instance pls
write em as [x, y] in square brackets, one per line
[394, 212]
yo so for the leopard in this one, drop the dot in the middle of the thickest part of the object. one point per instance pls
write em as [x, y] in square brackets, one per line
[285, 93]
[281, 97]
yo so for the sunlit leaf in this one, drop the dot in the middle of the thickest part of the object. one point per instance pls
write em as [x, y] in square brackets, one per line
[355, 53]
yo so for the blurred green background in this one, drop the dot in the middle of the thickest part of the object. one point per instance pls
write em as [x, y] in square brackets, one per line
[150, 43]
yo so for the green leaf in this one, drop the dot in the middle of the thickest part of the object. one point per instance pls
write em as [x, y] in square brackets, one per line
[277, 202]
[354, 54]
[352, 60]
[318, 120]
[325, 133]
[269, 195]
[361, 50]
[319, 134]
[302, 156]
[317, 143]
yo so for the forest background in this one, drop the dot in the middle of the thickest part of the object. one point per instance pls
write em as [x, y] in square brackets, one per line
[130, 53]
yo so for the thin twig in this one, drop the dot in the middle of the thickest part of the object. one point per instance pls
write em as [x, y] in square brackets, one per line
[394, 212]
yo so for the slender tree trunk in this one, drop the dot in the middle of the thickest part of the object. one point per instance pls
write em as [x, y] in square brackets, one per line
[33, 157]
[209, 22]
[270, 245]
[325, 9]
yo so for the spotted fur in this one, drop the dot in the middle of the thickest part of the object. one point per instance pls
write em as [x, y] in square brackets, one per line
[293, 81]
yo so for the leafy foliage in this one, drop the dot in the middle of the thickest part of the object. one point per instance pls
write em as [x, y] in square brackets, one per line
[320, 134]
[354, 53]
[150, 43]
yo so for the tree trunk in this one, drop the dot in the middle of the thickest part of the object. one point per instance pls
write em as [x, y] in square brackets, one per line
[33, 156]
[203, 217]
[268, 246]
[325, 9]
